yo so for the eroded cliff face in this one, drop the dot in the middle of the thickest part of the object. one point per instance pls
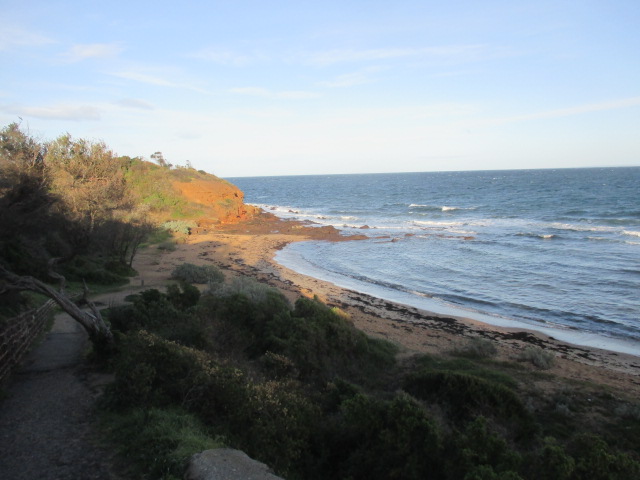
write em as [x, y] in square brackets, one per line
[221, 201]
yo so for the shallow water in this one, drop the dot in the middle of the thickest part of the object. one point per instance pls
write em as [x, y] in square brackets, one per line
[553, 250]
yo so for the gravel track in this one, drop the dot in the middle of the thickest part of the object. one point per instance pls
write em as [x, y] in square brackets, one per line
[47, 420]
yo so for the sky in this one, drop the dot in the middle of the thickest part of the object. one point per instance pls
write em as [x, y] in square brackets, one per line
[253, 88]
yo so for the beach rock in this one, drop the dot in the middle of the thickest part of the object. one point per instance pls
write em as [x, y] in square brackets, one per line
[226, 464]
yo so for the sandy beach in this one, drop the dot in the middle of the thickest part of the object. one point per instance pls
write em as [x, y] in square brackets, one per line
[249, 248]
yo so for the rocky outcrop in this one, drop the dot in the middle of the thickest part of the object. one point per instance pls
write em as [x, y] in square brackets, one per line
[227, 464]
[221, 201]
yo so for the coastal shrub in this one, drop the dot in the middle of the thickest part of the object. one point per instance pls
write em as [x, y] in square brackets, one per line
[323, 344]
[552, 461]
[465, 365]
[478, 348]
[478, 452]
[120, 268]
[596, 460]
[94, 271]
[464, 396]
[183, 296]
[277, 424]
[253, 290]
[628, 411]
[320, 343]
[151, 371]
[159, 442]
[171, 315]
[381, 439]
[190, 273]
[167, 246]
[182, 227]
[538, 357]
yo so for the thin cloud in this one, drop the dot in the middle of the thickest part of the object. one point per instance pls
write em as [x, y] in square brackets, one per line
[580, 109]
[134, 103]
[55, 112]
[351, 79]
[12, 37]
[561, 112]
[331, 57]
[266, 93]
[157, 81]
[225, 57]
[78, 53]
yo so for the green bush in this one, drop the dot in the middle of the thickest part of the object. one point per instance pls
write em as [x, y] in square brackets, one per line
[479, 453]
[190, 273]
[167, 246]
[595, 460]
[253, 290]
[159, 442]
[537, 356]
[151, 371]
[379, 439]
[465, 396]
[180, 226]
[323, 344]
[95, 271]
[276, 425]
[170, 315]
[477, 347]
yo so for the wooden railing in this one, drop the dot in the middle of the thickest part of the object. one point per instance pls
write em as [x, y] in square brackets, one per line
[17, 335]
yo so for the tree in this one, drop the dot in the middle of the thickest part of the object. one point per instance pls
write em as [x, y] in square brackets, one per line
[90, 182]
[158, 157]
[28, 221]
[99, 332]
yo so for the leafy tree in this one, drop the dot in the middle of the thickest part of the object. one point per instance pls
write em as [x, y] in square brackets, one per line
[88, 179]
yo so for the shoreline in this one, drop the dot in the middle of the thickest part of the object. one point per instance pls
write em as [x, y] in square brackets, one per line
[569, 335]
[250, 248]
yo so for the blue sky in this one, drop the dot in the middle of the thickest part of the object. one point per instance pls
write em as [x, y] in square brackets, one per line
[298, 87]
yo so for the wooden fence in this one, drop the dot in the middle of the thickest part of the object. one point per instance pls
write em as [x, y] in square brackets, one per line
[17, 335]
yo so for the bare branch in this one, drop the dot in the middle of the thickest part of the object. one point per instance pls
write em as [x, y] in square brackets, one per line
[93, 323]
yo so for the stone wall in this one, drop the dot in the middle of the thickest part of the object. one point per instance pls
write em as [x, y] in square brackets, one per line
[18, 333]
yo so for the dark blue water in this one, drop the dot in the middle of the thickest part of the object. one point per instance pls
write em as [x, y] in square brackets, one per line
[547, 249]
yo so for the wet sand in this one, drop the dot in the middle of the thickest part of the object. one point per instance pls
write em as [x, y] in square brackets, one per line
[249, 249]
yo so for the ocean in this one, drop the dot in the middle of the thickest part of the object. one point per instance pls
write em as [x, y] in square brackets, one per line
[557, 251]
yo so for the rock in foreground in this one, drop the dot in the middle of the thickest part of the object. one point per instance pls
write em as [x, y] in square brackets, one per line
[227, 464]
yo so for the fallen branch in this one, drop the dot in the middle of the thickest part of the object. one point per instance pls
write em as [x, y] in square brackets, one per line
[99, 332]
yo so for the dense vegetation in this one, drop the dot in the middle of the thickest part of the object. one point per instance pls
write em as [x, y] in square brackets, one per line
[75, 201]
[301, 389]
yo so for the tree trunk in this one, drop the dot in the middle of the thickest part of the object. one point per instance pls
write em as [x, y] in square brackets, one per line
[99, 333]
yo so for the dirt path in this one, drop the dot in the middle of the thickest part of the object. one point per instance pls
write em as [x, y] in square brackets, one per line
[47, 428]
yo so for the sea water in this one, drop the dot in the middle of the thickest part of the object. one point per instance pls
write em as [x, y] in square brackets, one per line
[556, 251]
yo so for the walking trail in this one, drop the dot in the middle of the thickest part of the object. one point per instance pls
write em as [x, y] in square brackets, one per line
[48, 420]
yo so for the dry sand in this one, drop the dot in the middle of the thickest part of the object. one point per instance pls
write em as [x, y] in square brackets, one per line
[249, 249]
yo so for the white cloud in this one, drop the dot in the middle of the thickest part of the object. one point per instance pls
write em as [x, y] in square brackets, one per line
[12, 37]
[580, 109]
[80, 52]
[157, 81]
[56, 112]
[225, 57]
[266, 93]
[560, 112]
[134, 103]
[351, 79]
[331, 57]
[254, 91]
